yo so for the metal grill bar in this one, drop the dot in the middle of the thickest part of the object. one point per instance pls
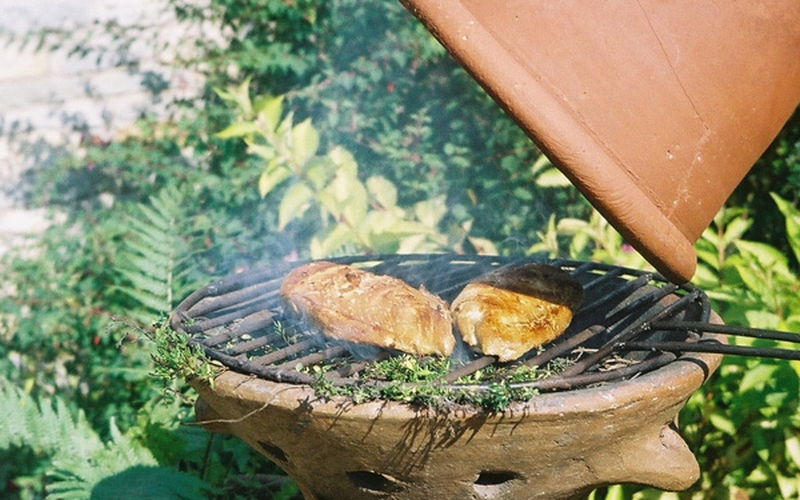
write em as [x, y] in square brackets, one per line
[714, 346]
[630, 326]
[234, 321]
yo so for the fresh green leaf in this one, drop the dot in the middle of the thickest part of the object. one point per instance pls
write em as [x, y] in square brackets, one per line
[756, 378]
[792, 217]
[382, 191]
[319, 171]
[294, 203]
[344, 160]
[552, 178]
[430, 212]
[274, 174]
[722, 423]
[238, 95]
[736, 229]
[792, 443]
[324, 246]
[238, 130]
[268, 110]
[266, 153]
[305, 142]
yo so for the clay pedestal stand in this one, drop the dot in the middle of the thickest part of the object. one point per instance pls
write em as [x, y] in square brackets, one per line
[557, 446]
[655, 110]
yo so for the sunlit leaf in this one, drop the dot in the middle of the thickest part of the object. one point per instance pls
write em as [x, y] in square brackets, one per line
[767, 256]
[295, 202]
[615, 492]
[757, 377]
[430, 212]
[552, 178]
[238, 95]
[792, 216]
[569, 225]
[736, 229]
[541, 163]
[382, 190]
[337, 237]
[383, 221]
[265, 152]
[319, 171]
[722, 423]
[789, 486]
[417, 243]
[273, 175]
[238, 129]
[305, 142]
[483, 246]
[792, 443]
[268, 109]
[707, 256]
[762, 319]
[356, 204]
[345, 198]
[344, 161]
[284, 128]
[712, 238]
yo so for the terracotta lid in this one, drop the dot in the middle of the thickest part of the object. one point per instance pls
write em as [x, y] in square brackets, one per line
[655, 110]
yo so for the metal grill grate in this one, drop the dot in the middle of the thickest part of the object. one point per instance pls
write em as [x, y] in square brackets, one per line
[631, 322]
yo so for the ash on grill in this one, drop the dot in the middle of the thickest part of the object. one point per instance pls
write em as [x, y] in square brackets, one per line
[631, 322]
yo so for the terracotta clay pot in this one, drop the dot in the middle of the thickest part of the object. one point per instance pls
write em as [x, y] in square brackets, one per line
[557, 446]
[654, 110]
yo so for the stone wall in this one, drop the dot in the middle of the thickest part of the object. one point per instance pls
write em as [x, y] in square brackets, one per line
[47, 95]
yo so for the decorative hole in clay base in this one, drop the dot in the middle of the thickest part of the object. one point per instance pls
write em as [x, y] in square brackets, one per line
[374, 482]
[273, 451]
[492, 484]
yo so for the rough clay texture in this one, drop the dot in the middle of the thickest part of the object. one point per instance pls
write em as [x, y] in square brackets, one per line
[556, 446]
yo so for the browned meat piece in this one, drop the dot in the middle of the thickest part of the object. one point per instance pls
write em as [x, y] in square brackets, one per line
[351, 304]
[511, 310]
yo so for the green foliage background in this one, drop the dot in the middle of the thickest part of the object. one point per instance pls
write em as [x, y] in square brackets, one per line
[304, 100]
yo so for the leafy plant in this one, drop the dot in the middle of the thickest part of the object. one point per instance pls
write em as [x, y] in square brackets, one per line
[374, 83]
[81, 463]
[155, 255]
[325, 195]
[743, 424]
[420, 382]
[176, 359]
[593, 239]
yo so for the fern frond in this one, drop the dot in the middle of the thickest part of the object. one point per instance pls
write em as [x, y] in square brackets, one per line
[128, 451]
[65, 485]
[82, 466]
[155, 256]
[161, 213]
[46, 426]
[150, 301]
[154, 236]
[122, 469]
[143, 280]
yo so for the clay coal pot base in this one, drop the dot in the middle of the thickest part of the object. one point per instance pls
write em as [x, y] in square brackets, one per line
[557, 446]
[654, 110]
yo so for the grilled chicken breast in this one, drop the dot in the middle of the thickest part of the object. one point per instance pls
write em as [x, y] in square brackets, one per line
[510, 311]
[351, 304]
